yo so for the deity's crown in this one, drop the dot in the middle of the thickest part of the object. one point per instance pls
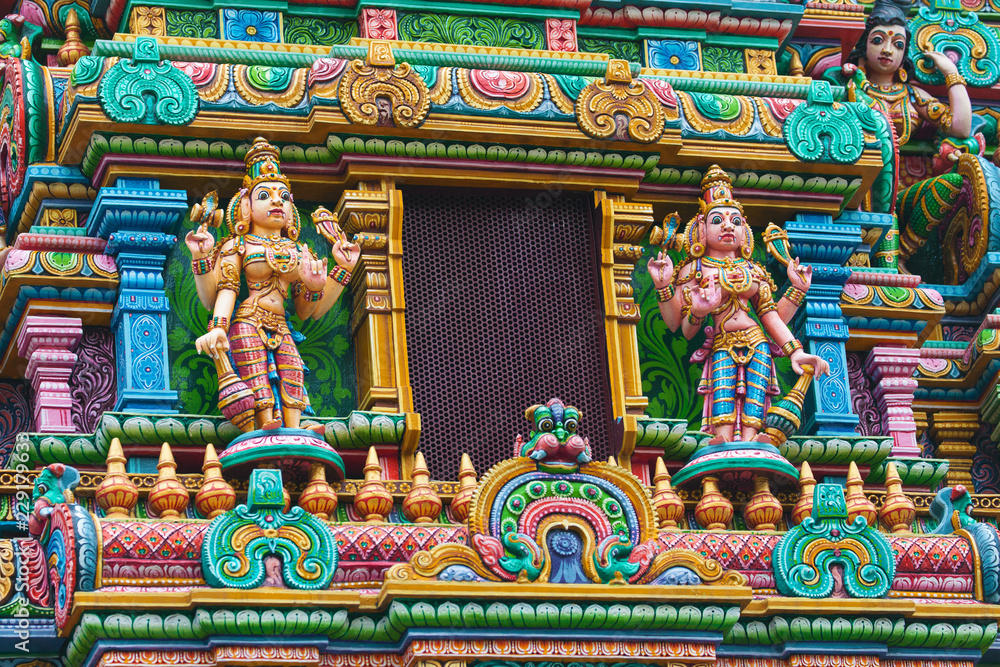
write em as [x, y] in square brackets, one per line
[263, 164]
[717, 190]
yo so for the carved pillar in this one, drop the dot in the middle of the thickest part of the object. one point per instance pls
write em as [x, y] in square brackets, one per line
[953, 432]
[133, 216]
[623, 225]
[48, 343]
[891, 369]
[826, 245]
[374, 212]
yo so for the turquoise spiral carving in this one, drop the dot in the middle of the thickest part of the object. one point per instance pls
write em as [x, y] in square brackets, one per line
[824, 131]
[237, 543]
[976, 46]
[146, 90]
[805, 556]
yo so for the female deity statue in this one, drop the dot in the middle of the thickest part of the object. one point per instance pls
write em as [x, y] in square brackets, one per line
[720, 283]
[262, 246]
[880, 74]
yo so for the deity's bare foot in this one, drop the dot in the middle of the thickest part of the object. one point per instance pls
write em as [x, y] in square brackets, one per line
[271, 424]
[763, 438]
[717, 440]
[318, 429]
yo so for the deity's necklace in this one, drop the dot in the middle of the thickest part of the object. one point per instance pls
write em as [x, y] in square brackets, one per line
[734, 273]
[281, 254]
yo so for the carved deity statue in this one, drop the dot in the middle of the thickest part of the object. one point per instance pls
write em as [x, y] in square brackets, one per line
[718, 284]
[880, 74]
[16, 36]
[262, 248]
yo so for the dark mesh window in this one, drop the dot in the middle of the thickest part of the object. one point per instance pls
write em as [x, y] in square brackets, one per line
[502, 312]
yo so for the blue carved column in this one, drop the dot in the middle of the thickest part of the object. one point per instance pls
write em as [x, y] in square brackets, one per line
[134, 215]
[826, 245]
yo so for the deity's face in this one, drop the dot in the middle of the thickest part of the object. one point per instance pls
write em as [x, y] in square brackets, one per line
[886, 48]
[725, 229]
[270, 205]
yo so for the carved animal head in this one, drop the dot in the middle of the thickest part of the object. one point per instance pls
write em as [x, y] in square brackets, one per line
[554, 437]
[53, 486]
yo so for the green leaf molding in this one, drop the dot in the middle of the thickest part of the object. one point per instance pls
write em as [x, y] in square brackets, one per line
[618, 49]
[893, 632]
[824, 131]
[392, 624]
[193, 24]
[470, 30]
[912, 472]
[804, 557]
[836, 449]
[87, 70]
[670, 435]
[146, 90]
[312, 30]
[358, 430]
[721, 59]
[235, 547]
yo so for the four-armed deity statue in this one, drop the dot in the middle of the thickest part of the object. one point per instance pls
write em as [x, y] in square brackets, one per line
[721, 288]
[262, 250]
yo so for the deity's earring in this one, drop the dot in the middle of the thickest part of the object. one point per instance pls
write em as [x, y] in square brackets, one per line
[746, 248]
[901, 73]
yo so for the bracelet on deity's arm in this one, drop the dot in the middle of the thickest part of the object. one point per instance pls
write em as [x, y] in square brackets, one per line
[203, 265]
[954, 79]
[341, 275]
[219, 323]
[795, 295]
[665, 293]
[790, 347]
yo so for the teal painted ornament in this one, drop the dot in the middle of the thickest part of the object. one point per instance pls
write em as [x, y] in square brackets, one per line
[805, 557]
[147, 90]
[239, 542]
[822, 130]
[972, 45]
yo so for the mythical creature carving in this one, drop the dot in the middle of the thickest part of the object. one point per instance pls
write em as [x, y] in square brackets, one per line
[554, 442]
[18, 37]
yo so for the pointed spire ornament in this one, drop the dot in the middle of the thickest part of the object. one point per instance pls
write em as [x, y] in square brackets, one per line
[168, 498]
[462, 501]
[318, 497]
[612, 461]
[421, 504]
[857, 503]
[807, 484]
[669, 506]
[898, 511]
[372, 501]
[117, 494]
[215, 496]
[73, 48]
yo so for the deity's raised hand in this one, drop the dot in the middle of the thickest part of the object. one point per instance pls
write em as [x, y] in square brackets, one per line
[661, 269]
[199, 242]
[706, 299]
[312, 272]
[345, 253]
[799, 276]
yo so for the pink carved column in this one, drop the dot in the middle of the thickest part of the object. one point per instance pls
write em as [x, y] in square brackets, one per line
[892, 369]
[48, 343]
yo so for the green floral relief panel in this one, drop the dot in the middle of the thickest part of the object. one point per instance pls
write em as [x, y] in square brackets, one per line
[326, 351]
[618, 49]
[721, 59]
[669, 378]
[312, 30]
[193, 24]
[471, 30]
